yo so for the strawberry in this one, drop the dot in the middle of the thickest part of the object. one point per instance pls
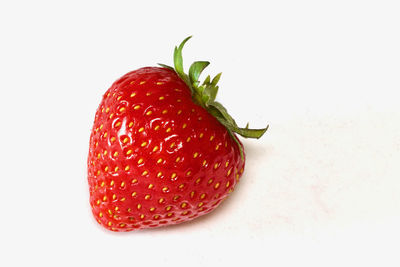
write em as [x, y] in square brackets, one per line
[162, 150]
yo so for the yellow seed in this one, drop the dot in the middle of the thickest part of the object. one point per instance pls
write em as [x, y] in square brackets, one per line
[109, 223]
[181, 186]
[177, 159]
[159, 83]
[133, 94]
[165, 189]
[152, 209]
[105, 198]
[176, 198]
[212, 137]
[210, 181]
[159, 160]
[114, 196]
[140, 161]
[134, 194]
[150, 186]
[98, 202]
[184, 125]
[216, 185]
[118, 124]
[147, 197]
[202, 196]
[198, 180]
[149, 112]
[127, 168]
[132, 82]
[172, 145]
[201, 135]
[216, 165]
[122, 225]
[111, 115]
[157, 127]
[161, 200]
[129, 152]
[148, 93]
[178, 100]
[136, 107]
[216, 147]
[200, 204]
[168, 130]
[168, 208]
[139, 206]
[155, 148]
[101, 127]
[195, 155]
[142, 216]
[143, 144]
[159, 174]
[119, 98]
[116, 169]
[169, 214]
[179, 112]
[112, 139]
[173, 175]
[141, 129]
[164, 111]
[100, 214]
[145, 173]
[126, 139]
[98, 155]
[130, 124]
[185, 212]
[105, 134]
[226, 163]
[229, 172]
[188, 139]
[204, 162]
[156, 217]
[115, 153]
[98, 173]
[134, 181]
[107, 110]
[227, 184]
[106, 168]
[192, 194]
[122, 199]
[142, 82]
[188, 173]
[122, 109]
[112, 183]
[122, 184]
[183, 205]
[161, 98]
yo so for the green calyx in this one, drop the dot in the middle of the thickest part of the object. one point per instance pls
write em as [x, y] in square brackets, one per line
[204, 94]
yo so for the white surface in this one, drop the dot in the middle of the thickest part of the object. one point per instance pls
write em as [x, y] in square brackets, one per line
[321, 188]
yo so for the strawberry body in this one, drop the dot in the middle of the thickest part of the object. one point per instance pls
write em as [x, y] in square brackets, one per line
[156, 157]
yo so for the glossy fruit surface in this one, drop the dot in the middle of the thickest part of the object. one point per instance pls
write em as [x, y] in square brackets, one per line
[157, 157]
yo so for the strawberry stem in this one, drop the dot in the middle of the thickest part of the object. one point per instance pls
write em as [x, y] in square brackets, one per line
[204, 94]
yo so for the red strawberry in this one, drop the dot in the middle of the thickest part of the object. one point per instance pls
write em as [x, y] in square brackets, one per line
[162, 151]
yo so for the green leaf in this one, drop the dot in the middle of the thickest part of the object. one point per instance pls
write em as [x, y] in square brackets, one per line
[195, 71]
[216, 79]
[166, 66]
[251, 133]
[207, 80]
[178, 61]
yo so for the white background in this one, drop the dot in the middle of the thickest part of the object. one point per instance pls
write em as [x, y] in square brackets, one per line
[321, 188]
